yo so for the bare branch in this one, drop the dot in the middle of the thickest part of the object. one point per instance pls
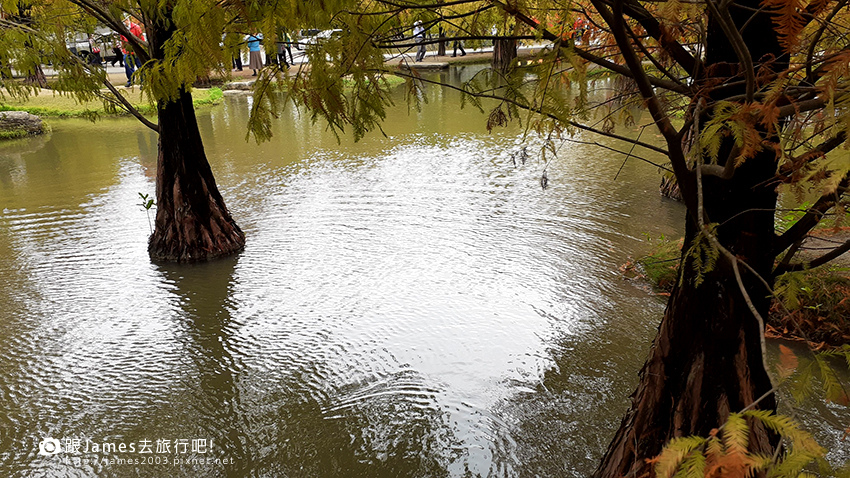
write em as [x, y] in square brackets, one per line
[816, 39]
[129, 107]
[786, 170]
[650, 23]
[538, 110]
[662, 121]
[119, 98]
[811, 219]
[139, 45]
[819, 261]
[609, 65]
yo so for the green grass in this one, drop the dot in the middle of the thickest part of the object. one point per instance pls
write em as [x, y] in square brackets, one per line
[55, 105]
[660, 266]
[22, 133]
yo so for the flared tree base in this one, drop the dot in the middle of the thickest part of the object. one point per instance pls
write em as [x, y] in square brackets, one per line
[169, 249]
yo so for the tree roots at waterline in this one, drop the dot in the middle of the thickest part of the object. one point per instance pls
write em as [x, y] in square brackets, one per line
[194, 239]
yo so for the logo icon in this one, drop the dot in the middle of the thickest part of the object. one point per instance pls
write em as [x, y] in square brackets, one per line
[49, 446]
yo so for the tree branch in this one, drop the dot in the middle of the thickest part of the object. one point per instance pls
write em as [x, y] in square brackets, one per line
[787, 169]
[119, 98]
[139, 46]
[650, 23]
[539, 110]
[816, 39]
[811, 219]
[677, 157]
[129, 107]
[741, 51]
[819, 261]
[607, 64]
[654, 61]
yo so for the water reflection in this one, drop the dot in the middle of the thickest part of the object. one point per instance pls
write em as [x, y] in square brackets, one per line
[205, 332]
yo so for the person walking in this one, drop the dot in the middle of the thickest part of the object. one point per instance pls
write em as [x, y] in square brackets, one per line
[118, 55]
[285, 47]
[419, 36]
[458, 44]
[255, 59]
[131, 61]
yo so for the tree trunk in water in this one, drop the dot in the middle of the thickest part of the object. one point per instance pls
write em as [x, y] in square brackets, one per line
[707, 359]
[504, 53]
[192, 222]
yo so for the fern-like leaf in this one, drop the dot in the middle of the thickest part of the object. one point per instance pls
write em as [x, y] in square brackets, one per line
[674, 454]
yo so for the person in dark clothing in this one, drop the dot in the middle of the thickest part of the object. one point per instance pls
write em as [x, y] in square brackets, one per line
[118, 56]
[283, 47]
[458, 44]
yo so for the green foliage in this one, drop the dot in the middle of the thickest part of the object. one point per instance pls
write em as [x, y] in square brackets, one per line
[702, 254]
[147, 203]
[817, 373]
[677, 451]
[213, 96]
[791, 216]
[729, 455]
[816, 300]
[13, 134]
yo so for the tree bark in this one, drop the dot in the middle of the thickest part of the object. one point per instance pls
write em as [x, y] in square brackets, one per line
[192, 221]
[37, 78]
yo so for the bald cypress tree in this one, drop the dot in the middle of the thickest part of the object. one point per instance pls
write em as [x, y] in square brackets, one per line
[747, 95]
[181, 42]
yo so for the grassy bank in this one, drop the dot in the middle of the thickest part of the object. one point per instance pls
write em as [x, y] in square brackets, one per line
[811, 305]
[49, 103]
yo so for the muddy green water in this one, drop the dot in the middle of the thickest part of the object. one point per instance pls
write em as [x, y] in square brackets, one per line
[409, 305]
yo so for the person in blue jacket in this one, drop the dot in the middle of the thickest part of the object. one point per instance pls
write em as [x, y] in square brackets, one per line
[255, 59]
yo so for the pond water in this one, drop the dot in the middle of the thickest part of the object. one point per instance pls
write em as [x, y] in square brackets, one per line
[413, 304]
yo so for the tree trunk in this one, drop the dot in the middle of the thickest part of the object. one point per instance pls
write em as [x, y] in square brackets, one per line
[504, 53]
[192, 222]
[37, 78]
[707, 359]
[441, 46]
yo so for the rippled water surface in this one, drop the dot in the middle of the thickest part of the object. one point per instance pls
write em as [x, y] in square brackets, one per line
[409, 305]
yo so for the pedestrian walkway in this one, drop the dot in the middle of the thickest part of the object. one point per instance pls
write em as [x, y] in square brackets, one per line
[399, 59]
